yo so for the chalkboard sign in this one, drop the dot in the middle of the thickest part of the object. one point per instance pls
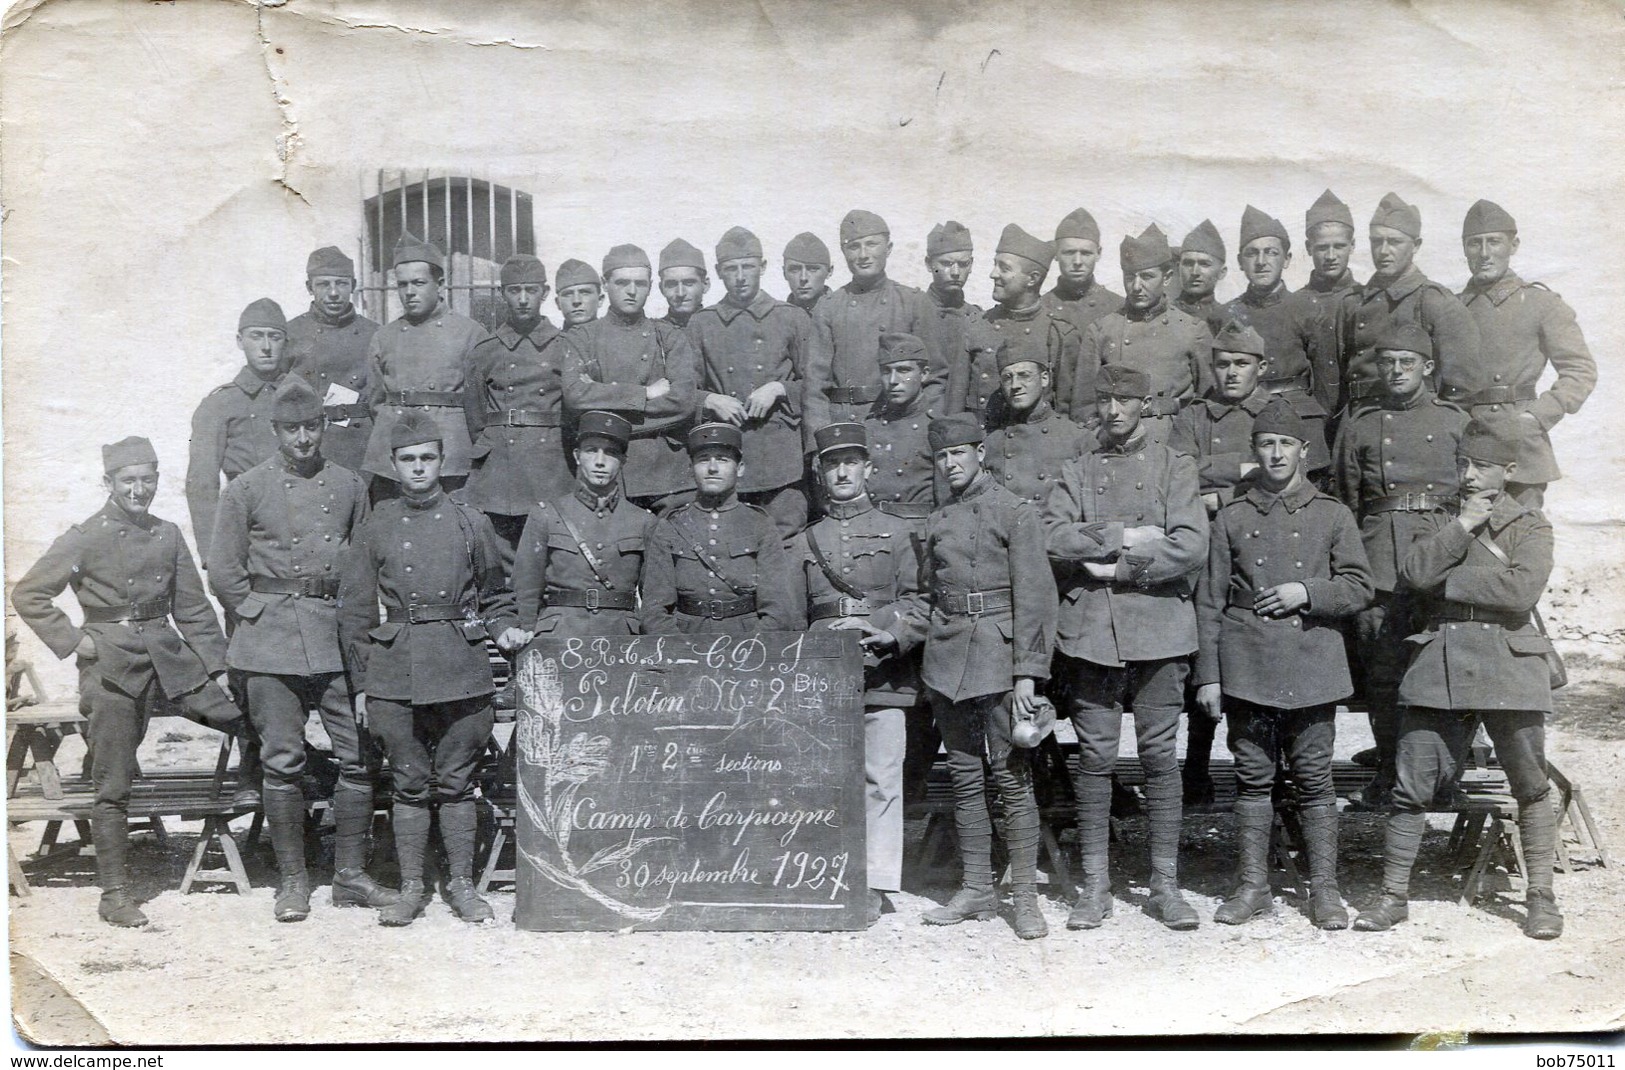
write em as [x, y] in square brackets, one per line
[691, 782]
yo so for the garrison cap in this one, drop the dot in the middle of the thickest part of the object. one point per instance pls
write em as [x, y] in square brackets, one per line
[860, 224]
[1122, 381]
[679, 253]
[329, 260]
[1395, 213]
[295, 402]
[577, 273]
[715, 434]
[960, 429]
[412, 249]
[807, 248]
[1237, 337]
[1018, 242]
[1491, 439]
[262, 313]
[841, 436]
[1487, 217]
[1078, 224]
[1280, 418]
[522, 267]
[606, 425]
[737, 244]
[127, 451]
[949, 237]
[1327, 209]
[1256, 224]
[895, 347]
[1007, 356]
[625, 256]
[413, 428]
[1149, 250]
[1204, 239]
[1407, 338]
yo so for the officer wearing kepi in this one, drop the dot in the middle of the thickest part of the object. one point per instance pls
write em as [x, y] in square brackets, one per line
[133, 576]
[327, 348]
[419, 670]
[273, 564]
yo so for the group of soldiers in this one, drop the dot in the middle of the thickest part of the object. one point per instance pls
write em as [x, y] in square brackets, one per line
[1075, 503]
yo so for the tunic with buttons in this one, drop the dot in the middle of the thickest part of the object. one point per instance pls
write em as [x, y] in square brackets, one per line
[847, 326]
[973, 374]
[1207, 309]
[1368, 311]
[433, 552]
[1083, 308]
[1218, 434]
[953, 318]
[276, 522]
[900, 450]
[812, 302]
[1522, 326]
[613, 359]
[550, 563]
[325, 352]
[1261, 540]
[1321, 304]
[231, 433]
[745, 347]
[112, 560]
[516, 465]
[1479, 665]
[432, 356]
[1174, 349]
[1393, 451]
[1034, 334]
[1026, 454]
[1288, 329]
[742, 543]
[1144, 612]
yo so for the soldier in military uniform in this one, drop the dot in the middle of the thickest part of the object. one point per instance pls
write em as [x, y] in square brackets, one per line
[419, 672]
[1395, 465]
[1328, 232]
[642, 370]
[806, 271]
[751, 352]
[231, 428]
[1026, 453]
[1127, 535]
[420, 362]
[327, 348]
[515, 408]
[1399, 293]
[273, 564]
[582, 553]
[683, 281]
[580, 292]
[1077, 295]
[716, 564]
[1480, 572]
[1522, 326]
[1201, 266]
[133, 576]
[859, 569]
[842, 378]
[904, 481]
[1285, 566]
[949, 257]
[990, 632]
[1170, 346]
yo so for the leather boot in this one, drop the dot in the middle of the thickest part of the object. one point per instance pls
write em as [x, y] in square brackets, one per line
[1030, 924]
[285, 818]
[352, 818]
[1094, 902]
[1326, 908]
[1537, 828]
[293, 897]
[250, 771]
[117, 908]
[1542, 922]
[411, 844]
[968, 904]
[466, 902]
[1389, 911]
[1254, 820]
[458, 822]
[1162, 804]
[408, 906]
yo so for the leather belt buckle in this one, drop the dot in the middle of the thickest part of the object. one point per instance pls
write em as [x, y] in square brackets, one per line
[975, 603]
[592, 598]
[848, 606]
[713, 609]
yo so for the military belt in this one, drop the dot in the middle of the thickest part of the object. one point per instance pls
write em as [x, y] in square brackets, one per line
[853, 395]
[1360, 389]
[530, 418]
[1161, 406]
[153, 609]
[298, 586]
[442, 399]
[716, 608]
[975, 603]
[427, 612]
[841, 607]
[593, 598]
[1278, 386]
[1405, 503]
[1496, 395]
[905, 510]
[1461, 611]
[355, 411]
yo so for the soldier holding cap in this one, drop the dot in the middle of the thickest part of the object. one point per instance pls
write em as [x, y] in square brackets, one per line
[1522, 326]
[1201, 267]
[1077, 294]
[642, 370]
[859, 569]
[132, 575]
[274, 565]
[949, 256]
[1285, 565]
[1127, 535]
[1395, 466]
[327, 348]
[1328, 232]
[752, 349]
[716, 564]
[231, 427]
[580, 291]
[419, 362]
[582, 553]
[1025, 453]
[806, 271]
[515, 408]
[904, 480]
[1480, 572]
[683, 281]
[419, 670]
[990, 630]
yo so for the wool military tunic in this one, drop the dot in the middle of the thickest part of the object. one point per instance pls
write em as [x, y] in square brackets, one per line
[1261, 540]
[1287, 328]
[434, 553]
[276, 522]
[1034, 334]
[1082, 308]
[1496, 663]
[900, 450]
[326, 352]
[551, 568]
[745, 347]
[231, 433]
[1319, 303]
[1207, 310]
[709, 557]
[1368, 311]
[1521, 327]
[423, 366]
[953, 320]
[1171, 347]
[1394, 466]
[973, 374]
[115, 561]
[1026, 454]
[1144, 612]
[515, 411]
[843, 358]
[986, 541]
[1218, 434]
[613, 360]
[812, 302]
